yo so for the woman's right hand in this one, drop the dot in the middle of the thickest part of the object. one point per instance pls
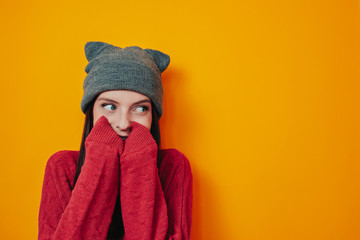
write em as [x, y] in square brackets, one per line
[104, 133]
[85, 210]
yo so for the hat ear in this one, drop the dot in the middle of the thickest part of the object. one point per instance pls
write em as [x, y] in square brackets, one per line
[92, 49]
[161, 59]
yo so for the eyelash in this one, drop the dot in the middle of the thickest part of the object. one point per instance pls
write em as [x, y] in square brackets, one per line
[106, 104]
[144, 107]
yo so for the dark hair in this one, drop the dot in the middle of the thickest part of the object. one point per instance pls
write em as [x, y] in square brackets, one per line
[88, 125]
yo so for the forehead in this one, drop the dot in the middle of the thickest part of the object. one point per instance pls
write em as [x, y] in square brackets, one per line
[123, 96]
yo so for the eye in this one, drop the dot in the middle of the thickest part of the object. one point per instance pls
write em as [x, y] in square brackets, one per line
[141, 109]
[110, 107]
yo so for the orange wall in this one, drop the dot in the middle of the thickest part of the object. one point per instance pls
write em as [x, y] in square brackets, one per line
[262, 96]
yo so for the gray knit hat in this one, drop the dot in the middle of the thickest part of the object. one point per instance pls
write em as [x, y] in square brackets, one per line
[130, 68]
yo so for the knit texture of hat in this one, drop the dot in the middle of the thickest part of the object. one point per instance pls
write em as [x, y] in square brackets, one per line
[130, 68]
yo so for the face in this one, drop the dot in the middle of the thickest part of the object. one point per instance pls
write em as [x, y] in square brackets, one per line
[121, 108]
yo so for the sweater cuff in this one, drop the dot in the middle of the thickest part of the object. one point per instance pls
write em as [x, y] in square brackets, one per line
[103, 132]
[139, 138]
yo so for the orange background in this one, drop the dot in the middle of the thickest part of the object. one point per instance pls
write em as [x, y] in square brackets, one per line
[262, 97]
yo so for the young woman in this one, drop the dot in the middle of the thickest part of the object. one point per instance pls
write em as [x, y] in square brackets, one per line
[120, 185]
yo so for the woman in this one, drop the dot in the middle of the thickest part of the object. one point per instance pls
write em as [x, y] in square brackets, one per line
[120, 185]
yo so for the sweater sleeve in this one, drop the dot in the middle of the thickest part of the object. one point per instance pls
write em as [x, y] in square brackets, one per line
[87, 212]
[145, 212]
[178, 195]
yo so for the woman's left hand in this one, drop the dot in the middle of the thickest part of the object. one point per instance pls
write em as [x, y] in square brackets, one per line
[139, 139]
[142, 200]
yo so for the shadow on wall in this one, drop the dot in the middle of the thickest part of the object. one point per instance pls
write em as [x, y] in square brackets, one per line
[177, 115]
[208, 222]
[178, 126]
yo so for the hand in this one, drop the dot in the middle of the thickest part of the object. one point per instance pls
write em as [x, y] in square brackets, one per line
[103, 132]
[139, 138]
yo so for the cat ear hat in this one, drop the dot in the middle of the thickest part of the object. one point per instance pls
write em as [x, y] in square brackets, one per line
[130, 68]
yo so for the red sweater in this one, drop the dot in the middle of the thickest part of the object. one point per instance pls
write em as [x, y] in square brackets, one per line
[120, 189]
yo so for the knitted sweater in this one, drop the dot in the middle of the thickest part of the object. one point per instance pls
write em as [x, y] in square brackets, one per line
[120, 192]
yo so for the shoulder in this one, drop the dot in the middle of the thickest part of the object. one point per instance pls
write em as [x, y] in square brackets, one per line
[173, 164]
[62, 164]
[173, 157]
[63, 157]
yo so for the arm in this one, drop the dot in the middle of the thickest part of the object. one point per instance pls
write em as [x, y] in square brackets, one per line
[178, 194]
[88, 211]
[146, 214]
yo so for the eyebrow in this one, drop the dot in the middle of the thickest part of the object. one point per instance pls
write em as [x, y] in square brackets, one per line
[110, 100]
